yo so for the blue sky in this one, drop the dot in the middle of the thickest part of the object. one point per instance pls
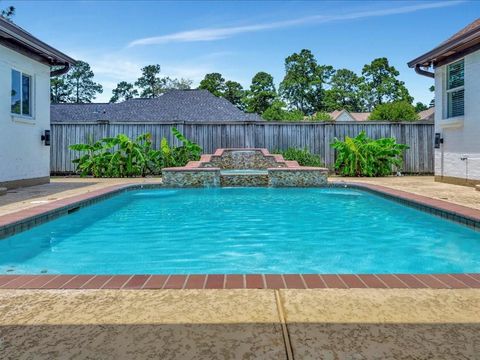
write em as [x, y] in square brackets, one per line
[238, 39]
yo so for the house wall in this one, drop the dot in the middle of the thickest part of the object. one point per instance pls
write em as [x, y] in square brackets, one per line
[461, 135]
[24, 159]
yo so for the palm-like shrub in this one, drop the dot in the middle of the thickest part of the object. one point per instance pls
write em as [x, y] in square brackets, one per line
[362, 156]
[121, 156]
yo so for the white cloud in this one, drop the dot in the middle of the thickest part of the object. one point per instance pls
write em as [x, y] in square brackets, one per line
[211, 34]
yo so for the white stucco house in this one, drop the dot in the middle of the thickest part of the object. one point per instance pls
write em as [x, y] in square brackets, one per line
[25, 69]
[456, 70]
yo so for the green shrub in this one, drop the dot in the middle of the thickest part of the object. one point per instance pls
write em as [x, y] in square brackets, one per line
[293, 115]
[362, 156]
[277, 112]
[321, 116]
[395, 111]
[302, 156]
[121, 156]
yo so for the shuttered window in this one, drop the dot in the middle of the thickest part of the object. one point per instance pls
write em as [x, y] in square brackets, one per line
[455, 89]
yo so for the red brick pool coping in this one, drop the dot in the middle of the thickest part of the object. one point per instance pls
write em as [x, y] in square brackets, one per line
[219, 281]
[24, 219]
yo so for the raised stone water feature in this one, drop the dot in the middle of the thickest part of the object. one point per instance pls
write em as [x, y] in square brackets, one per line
[244, 167]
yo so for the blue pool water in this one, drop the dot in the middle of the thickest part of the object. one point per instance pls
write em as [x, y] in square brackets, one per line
[243, 230]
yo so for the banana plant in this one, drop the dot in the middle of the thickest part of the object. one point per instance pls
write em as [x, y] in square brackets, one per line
[121, 156]
[96, 158]
[192, 148]
[362, 156]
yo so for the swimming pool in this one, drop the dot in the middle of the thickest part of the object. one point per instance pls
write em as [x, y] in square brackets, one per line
[243, 230]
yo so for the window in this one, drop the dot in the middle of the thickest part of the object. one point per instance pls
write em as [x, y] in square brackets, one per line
[21, 98]
[455, 89]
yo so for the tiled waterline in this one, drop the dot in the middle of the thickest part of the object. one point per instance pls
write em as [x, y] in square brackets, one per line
[24, 219]
[237, 281]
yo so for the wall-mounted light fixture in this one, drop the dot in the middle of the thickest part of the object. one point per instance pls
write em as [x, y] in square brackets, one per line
[46, 137]
[438, 140]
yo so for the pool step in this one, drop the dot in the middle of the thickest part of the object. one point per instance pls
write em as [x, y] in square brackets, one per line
[243, 178]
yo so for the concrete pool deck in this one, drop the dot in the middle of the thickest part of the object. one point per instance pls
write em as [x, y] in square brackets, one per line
[243, 323]
[240, 324]
[60, 188]
[424, 185]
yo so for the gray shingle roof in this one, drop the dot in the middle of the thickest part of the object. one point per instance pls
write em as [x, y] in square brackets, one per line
[174, 105]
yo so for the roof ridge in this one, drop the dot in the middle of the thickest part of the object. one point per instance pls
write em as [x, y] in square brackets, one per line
[194, 105]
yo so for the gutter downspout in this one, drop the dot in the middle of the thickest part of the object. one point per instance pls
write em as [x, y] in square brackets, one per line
[423, 72]
[60, 71]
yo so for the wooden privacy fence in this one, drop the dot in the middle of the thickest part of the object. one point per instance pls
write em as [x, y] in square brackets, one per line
[316, 137]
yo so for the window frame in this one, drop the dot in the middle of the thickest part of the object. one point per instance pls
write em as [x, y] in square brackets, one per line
[31, 92]
[448, 91]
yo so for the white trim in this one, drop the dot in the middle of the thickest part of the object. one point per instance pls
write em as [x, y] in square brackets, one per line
[452, 122]
[27, 120]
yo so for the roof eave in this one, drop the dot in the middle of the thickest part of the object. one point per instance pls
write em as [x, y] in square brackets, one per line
[429, 58]
[11, 32]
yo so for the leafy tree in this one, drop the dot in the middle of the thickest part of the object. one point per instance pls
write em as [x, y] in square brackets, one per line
[262, 93]
[277, 112]
[215, 83]
[381, 84]
[179, 84]
[230, 90]
[59, 90]
[234, 93]
[419, 106]
[344, 92]
[302, 86]
[80, 85]
[321, 116]
[8, 13]
[123, 91]
[395, 111]
[150, 82]
[152, 85]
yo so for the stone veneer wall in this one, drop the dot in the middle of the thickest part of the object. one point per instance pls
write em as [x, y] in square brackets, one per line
[244, 180]
[208, 171]
[243, 159]
[192, 178]
[293, 177]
